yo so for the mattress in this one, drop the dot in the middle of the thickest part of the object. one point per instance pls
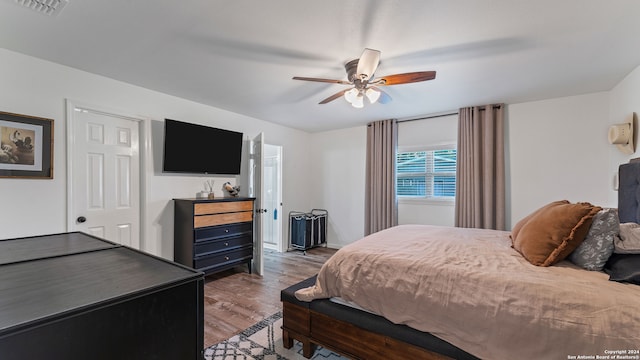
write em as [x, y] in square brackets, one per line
[470, 288]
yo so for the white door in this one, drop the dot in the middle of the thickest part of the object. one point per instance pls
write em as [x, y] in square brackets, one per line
[257, 190]
[104, 175]
[272, 202]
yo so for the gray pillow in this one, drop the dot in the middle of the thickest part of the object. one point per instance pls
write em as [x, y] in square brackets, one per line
[597, 247]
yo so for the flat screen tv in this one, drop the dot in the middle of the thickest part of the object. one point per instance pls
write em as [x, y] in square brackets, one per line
[198, 149]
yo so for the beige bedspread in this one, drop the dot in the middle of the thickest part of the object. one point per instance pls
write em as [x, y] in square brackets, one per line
[470, 288]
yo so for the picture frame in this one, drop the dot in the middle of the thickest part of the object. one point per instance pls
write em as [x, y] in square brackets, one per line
[26, 146]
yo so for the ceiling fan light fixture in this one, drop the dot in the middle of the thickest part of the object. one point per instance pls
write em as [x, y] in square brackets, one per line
[351, 95]
[372, 95]
[358, 102]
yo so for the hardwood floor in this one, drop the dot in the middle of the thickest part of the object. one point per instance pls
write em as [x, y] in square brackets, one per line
[235, 299]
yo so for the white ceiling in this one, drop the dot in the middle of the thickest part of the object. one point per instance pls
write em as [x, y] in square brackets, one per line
[240, 55]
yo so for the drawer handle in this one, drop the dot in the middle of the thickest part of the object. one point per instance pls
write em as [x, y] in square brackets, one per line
[226, 258]
[226, 230]
[226, 244]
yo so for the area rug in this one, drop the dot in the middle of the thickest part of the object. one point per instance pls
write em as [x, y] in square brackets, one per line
[263, 341]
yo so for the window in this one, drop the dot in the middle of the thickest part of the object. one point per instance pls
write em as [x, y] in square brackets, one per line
[426, 174]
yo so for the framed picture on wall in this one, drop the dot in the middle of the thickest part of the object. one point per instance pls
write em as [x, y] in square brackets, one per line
[26, 146]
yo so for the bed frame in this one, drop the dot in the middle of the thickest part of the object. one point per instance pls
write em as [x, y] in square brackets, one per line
[361, 335]
[355, 333]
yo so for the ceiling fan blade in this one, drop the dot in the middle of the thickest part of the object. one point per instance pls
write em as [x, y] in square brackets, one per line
[334, 96]
[368, 63]
[384, 97]
[343, 82]
[406, 78]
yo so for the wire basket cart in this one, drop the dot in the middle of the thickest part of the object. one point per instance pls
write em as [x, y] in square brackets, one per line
[307, 229]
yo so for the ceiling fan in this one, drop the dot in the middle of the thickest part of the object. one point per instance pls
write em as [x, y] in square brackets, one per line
[360, 74]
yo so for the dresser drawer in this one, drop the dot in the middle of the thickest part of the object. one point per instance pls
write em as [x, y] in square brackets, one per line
[213, 235]
[215, 232]
[223, 258]
[213, 246]
[221, 219]
[222, 207]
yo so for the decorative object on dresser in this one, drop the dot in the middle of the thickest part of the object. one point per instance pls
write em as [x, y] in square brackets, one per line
[75, 296]
[213, 235]
[232, 190]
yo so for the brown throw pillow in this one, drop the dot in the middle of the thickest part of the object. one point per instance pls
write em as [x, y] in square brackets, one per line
[516, 229]
[554, 231]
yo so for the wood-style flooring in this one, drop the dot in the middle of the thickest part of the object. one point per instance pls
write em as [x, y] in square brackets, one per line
[234, 299]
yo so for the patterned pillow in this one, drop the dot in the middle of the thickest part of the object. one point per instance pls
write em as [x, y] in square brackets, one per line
[597, 247]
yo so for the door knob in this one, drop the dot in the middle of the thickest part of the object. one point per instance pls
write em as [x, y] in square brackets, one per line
[81, 219]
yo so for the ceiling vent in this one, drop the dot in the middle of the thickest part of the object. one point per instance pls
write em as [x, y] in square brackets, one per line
[46, 7]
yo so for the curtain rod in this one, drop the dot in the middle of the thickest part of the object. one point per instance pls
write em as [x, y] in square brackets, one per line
[496, 106]
[429, 117]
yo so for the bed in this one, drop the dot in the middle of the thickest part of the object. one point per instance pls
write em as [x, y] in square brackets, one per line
[473, 293]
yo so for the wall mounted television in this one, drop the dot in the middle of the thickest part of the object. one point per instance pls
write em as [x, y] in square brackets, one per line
[199, 149]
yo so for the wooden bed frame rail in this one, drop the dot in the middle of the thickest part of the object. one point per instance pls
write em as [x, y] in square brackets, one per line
[312, 328]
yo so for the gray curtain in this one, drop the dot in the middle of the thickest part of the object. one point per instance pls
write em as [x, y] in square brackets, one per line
[480, 183]
[381, 210]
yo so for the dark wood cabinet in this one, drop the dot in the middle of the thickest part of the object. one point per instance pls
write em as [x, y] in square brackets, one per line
[213, 235]
[75, 296]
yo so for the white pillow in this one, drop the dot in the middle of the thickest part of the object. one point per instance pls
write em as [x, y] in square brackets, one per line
[629, 240]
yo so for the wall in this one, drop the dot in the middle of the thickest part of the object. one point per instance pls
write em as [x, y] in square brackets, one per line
[557, 149]
[623, 100]
[338, 163]
[35, 87]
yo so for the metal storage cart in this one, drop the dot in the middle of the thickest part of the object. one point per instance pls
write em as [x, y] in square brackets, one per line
[307, 230]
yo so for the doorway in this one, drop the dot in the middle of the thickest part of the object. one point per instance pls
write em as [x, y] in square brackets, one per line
[272, 223]
[265, 184]
[104, 174]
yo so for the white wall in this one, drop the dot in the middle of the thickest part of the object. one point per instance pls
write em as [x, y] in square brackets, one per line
[428, 132]
[338, 166]
[34, 87]
[624, 99]
[557, 149]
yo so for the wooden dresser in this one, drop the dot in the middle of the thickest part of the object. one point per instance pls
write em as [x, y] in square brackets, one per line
[213, 235]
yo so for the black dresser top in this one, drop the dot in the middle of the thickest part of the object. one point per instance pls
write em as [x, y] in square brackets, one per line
[45, 277]
[218, 199]
[40, 247]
